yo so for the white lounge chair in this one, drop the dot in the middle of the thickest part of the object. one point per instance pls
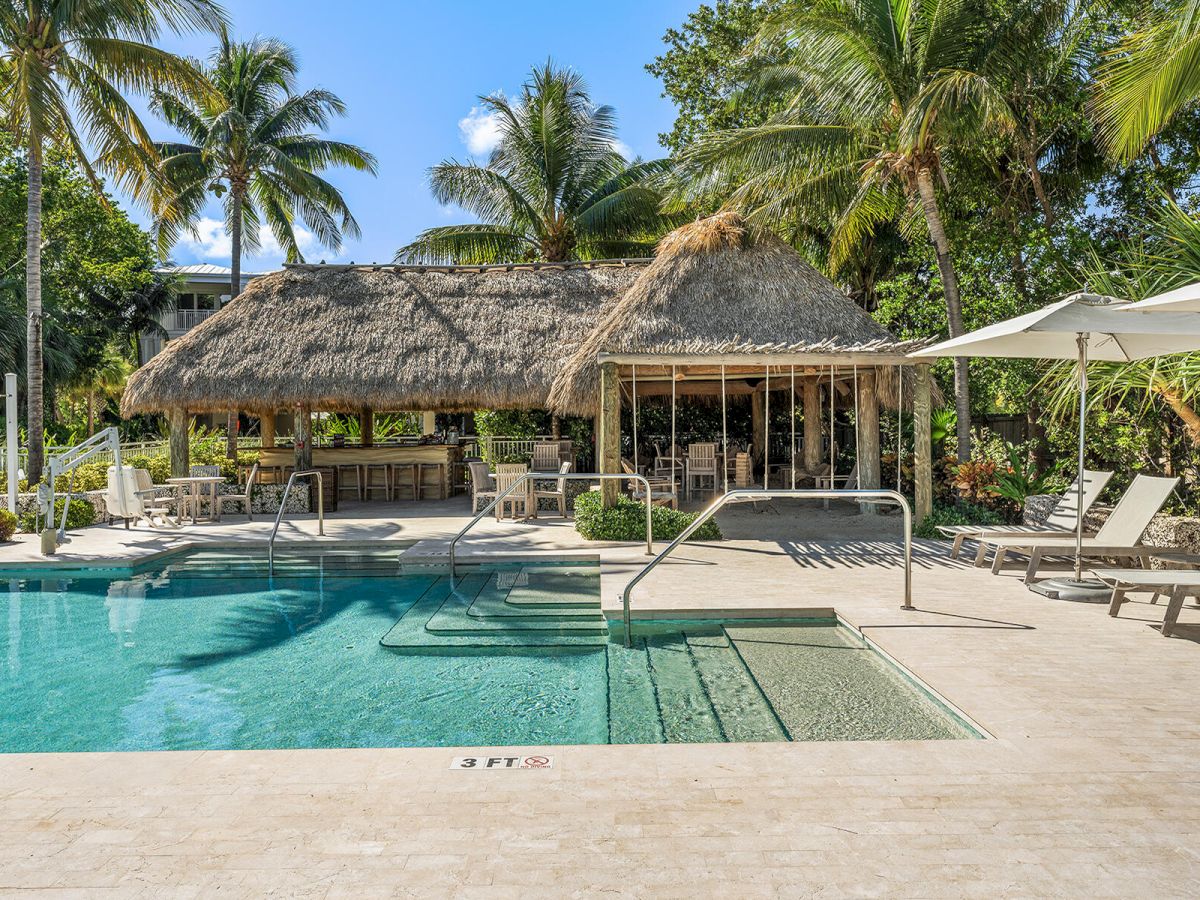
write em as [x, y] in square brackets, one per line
[1120, 536]
[1062, 518]
[1175, 583]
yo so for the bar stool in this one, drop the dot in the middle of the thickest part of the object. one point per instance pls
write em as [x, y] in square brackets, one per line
[439, 469]
[344, 483]
[405, 475]
[371, 484]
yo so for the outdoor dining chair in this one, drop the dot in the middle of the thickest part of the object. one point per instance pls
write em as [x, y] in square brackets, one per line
[545, 456]
[558, 495]
[246, 496]
[507, 475]
[701, 466]
[481, 484]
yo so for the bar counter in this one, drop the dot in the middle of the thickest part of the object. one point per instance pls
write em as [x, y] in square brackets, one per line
[449, 455]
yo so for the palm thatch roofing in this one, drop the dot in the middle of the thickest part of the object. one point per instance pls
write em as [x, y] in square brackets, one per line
[346, 338]
[724, 292]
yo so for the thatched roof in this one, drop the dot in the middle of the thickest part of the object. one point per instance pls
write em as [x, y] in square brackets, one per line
[341, 338]
[719, 287]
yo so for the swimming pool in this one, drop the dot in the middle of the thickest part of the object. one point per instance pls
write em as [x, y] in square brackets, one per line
[341, 649]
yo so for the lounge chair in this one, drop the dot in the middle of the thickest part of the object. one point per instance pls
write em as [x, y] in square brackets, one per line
[1061, 521]
[1120, 536]
[131, 495]
[1175, 583]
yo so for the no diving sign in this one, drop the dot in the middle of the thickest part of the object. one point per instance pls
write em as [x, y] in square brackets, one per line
[502, 762]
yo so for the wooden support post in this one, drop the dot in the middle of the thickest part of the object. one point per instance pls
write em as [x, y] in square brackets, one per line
[266, 428]
[610, 431]
[366, 427]
[303, 437]
[922, 446]
[758, 421]
[812, 425]
[428, 422]
[869, 465]
[178, 421]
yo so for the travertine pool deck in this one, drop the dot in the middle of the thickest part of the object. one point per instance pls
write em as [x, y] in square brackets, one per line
[1089, 785]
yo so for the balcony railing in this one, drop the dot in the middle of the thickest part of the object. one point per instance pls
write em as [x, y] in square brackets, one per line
[185, 319]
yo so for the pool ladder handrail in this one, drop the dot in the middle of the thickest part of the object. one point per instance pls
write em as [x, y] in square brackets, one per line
[283, 504]
[555, 476]
[877, 496]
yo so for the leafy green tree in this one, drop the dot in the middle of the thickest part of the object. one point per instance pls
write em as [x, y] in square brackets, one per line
[705, 66]
[64, 65]
[99, 289]
[1149, 77]
[879, 93]
[554, 188]
[252, 139]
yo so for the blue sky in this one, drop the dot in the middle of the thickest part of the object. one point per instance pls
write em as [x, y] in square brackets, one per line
[410, 73]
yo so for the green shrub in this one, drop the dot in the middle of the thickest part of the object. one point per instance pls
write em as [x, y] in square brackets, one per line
[959, 514]
[81, 515]
[627, 521]
[8, 525]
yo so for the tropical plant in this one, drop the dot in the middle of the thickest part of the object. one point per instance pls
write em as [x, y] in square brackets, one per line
[250, 140]
[102, 383]
[879, 93]
[1148, 77]
[8, 525]
[962, 513]
[627, 521]
[555, 187]
[1020, 479]
[63, 69]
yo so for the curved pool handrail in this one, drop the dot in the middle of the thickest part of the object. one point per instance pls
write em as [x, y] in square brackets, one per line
[556, 476]
[802, 493]
[304, 473]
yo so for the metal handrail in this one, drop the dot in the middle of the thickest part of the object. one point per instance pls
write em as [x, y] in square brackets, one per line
[283, 503]
[752, 494]
[553, 476]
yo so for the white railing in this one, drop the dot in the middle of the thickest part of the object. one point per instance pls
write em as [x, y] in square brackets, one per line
[185, 319]
[499, 447]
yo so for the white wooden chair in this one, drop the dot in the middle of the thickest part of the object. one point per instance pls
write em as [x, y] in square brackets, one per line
[559, 495]
[506, 476]
[545, 456]
[481, 484]
[245, 497]
[701, 465]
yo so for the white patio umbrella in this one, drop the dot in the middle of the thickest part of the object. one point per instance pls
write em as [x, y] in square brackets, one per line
[1184, 299]
[1082, 326]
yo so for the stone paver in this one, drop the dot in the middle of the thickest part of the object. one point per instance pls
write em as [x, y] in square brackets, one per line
[1087, 787]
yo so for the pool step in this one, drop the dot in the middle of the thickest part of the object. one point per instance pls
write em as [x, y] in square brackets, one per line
[633, 714]
[742, 708]
[687, 713]
[333, 563]
[439, 619]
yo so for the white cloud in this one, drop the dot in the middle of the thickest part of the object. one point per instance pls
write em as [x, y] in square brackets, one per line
[208, 240]
[480, 131]
[624, 149]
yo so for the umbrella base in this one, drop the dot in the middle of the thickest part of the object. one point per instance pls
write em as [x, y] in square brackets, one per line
[1086, 590]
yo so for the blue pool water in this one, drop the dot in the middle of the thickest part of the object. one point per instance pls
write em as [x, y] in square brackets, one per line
[207, 652]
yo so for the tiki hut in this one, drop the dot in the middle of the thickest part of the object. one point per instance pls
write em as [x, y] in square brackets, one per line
[345, 338]
[726, 309]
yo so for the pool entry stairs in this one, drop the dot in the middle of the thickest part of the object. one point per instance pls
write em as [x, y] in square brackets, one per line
[675, 684]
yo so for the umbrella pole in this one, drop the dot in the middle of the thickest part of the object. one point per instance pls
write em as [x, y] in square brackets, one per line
[1081, 341]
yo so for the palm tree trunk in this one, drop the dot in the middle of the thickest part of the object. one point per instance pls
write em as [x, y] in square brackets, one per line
[91, 413]
[1189, 416]
[235, 285]
[941, 246]
[34, 383]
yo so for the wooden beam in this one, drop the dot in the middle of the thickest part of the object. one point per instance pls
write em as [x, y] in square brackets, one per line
[690, 388]
[758, 424]
[869, 464]
[756, 361]
[812, 424]
[366, 427]
[922, 445]
[610, 431]
[303, 437]
[177, 418]
[266, 428]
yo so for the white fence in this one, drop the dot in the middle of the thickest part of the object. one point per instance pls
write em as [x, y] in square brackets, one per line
[152, 449]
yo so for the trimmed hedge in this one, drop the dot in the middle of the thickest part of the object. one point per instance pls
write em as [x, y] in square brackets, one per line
[81, 515]
[963, 513]
[8, 525]
[627, 521]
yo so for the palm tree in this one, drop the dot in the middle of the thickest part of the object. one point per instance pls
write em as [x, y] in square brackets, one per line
[253, 141]
[554, 189]
[64, 65]
[1147, 78]
[876, 96]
